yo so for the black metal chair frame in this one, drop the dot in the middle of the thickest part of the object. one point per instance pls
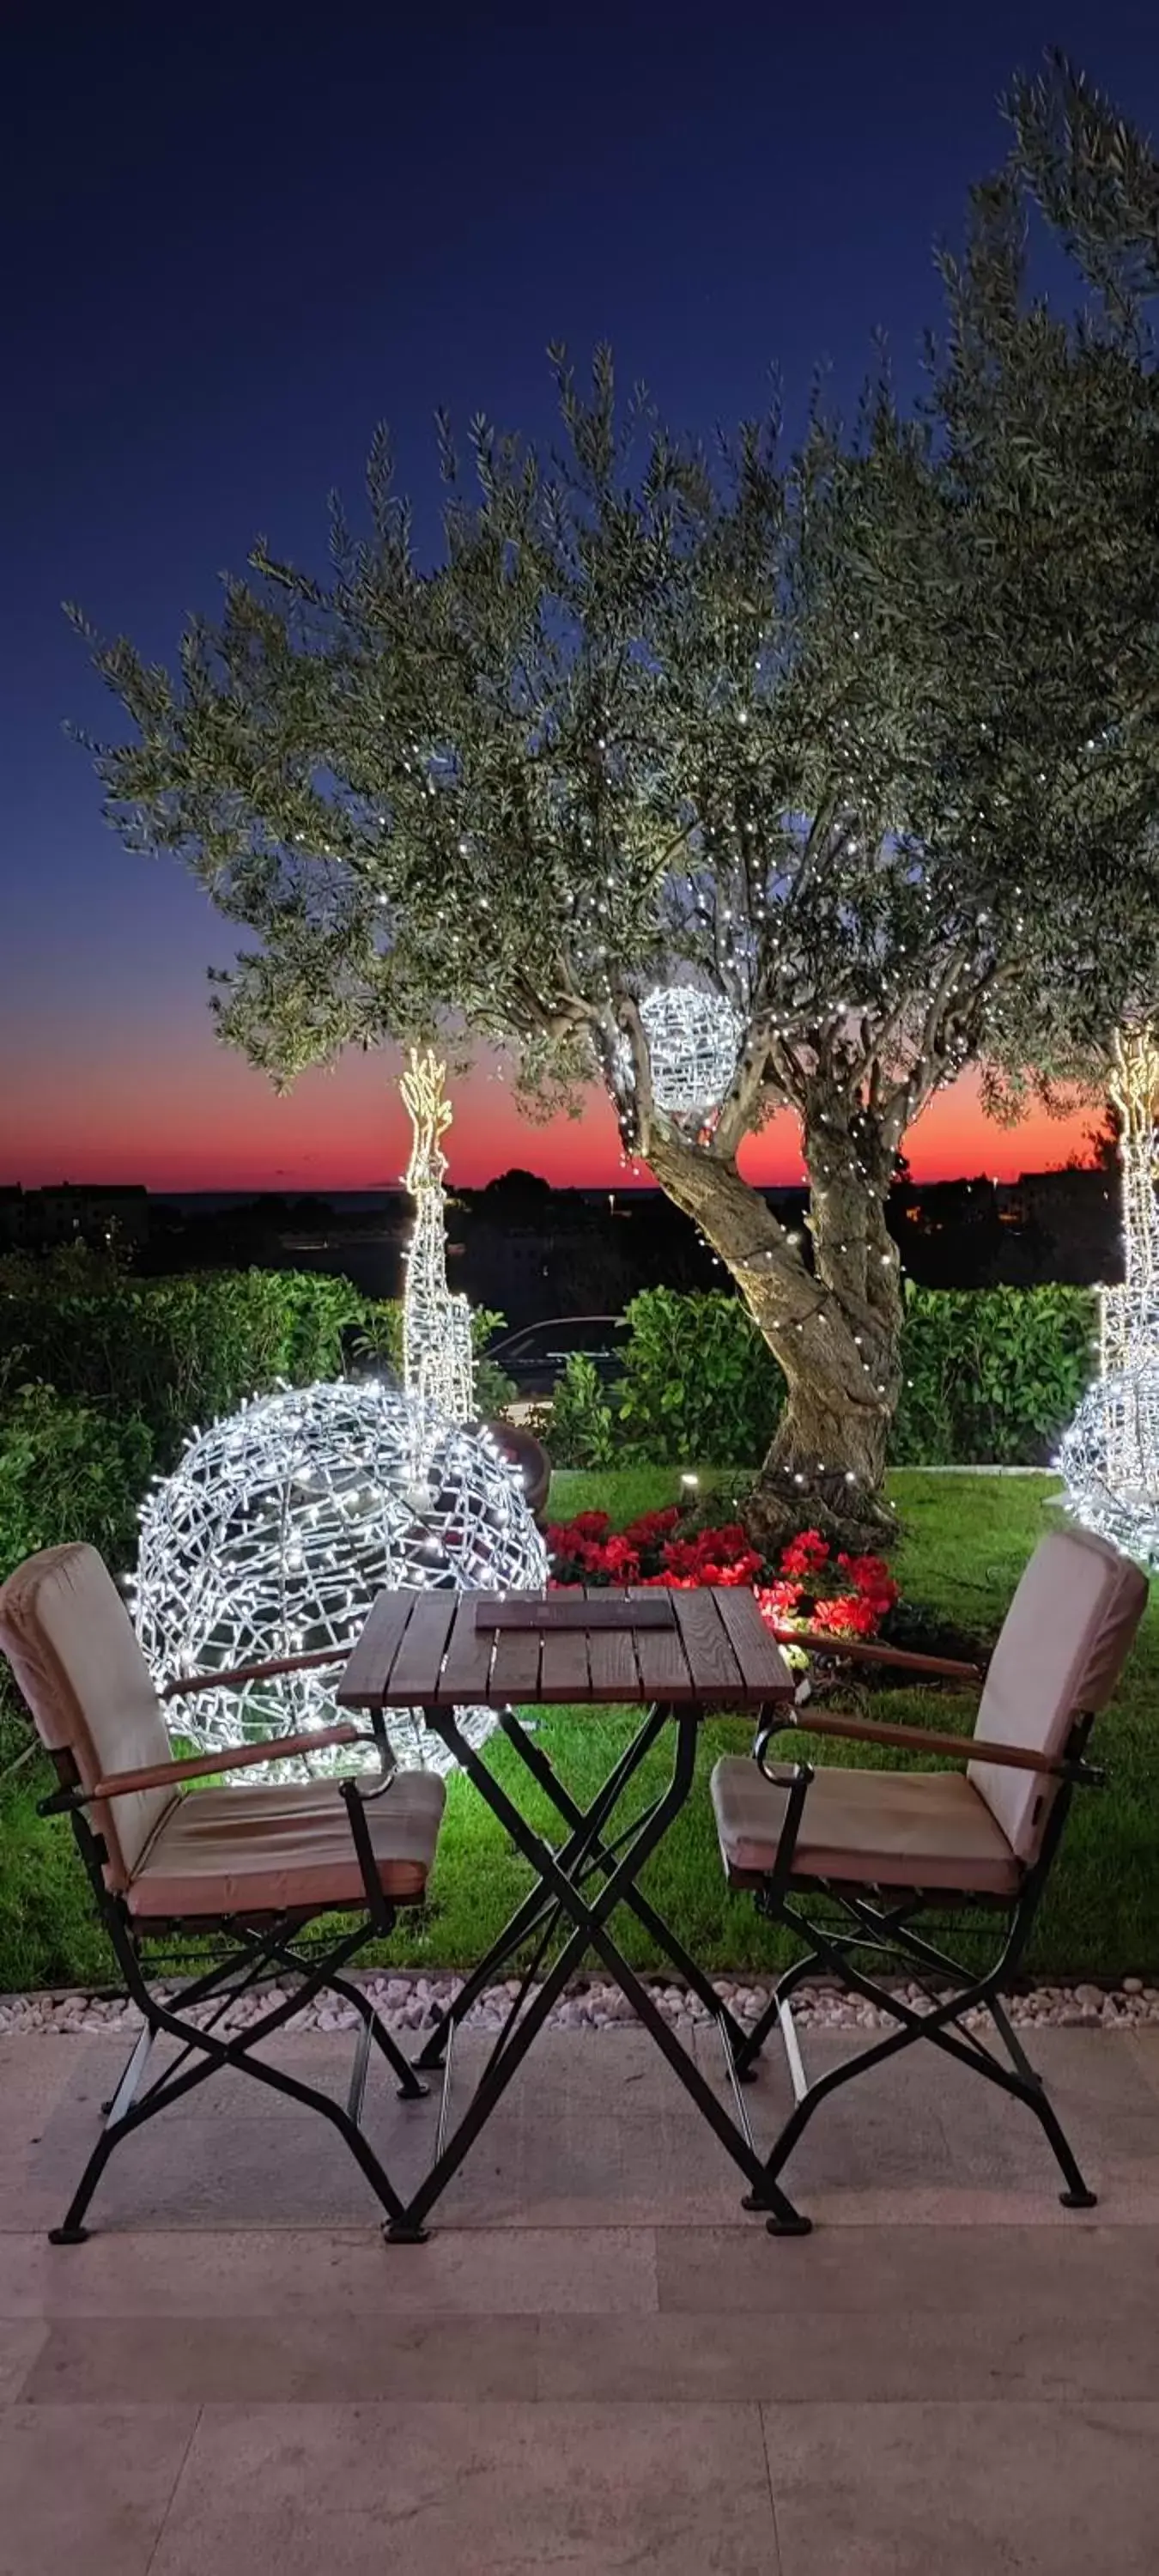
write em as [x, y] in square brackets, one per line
[253, 1947]
[881, 1921]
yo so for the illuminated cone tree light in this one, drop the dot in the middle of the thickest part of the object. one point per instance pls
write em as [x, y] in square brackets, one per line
[1110, 1455]
[437, 1357]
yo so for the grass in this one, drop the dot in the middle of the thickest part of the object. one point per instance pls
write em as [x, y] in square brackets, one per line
[965, 1540]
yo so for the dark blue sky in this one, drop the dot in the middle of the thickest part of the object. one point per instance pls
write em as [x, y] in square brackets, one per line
[235, 239]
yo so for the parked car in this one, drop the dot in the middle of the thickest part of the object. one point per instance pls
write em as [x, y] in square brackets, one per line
[537, 1357]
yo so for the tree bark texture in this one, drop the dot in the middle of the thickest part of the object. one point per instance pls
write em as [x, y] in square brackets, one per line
[834, 1330]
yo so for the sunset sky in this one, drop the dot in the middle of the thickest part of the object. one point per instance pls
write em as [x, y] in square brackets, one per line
[241, 244]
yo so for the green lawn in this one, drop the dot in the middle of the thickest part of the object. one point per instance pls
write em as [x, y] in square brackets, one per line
[966, 1539]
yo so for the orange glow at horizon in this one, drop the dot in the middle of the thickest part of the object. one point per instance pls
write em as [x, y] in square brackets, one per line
[190, 1121]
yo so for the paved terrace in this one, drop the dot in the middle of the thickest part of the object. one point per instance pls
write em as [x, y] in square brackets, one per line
[598, 2362]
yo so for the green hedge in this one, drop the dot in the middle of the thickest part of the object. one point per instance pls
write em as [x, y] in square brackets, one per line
[69, 1471]
[991, 1376]
[698, 1381]
[171, 1353]
[103, 1376]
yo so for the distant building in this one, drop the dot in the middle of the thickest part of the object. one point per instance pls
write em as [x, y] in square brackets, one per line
[82, 1213]
[11, 1218]
[1074, 1215]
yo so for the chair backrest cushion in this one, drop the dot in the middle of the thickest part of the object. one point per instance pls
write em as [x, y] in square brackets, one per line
[1064, 1642]
[72, 1647]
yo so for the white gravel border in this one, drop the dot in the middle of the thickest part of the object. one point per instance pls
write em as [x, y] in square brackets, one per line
[410, 2002]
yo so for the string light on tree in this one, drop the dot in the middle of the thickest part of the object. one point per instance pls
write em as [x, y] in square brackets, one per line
[437, 1356]
[280, 1524]
[1110, 1455]
[694, 1042]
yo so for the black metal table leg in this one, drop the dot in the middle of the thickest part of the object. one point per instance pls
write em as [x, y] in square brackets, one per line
[535, 1906]
[563, 1886]
[524, 1921]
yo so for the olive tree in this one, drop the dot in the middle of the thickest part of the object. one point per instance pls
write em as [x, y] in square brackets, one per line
[830, 739]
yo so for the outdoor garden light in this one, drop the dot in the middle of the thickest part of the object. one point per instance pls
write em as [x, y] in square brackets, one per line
[694, 1042]
[1110, 1455]
[438, 1362]
[280, 1524]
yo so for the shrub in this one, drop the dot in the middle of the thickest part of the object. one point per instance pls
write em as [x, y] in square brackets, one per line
[172, 1352]
[581, 1428]
[69, 1471]
[493, 1388]
[103, 1376]
[991, 1374]
[698, 1379]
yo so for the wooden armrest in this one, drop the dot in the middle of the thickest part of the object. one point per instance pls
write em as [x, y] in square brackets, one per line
[864, 1650]
[919, 1739]
[239, 1674]
[236, 1757]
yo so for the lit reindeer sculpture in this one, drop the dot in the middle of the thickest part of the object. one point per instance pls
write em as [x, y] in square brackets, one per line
[437, 1358]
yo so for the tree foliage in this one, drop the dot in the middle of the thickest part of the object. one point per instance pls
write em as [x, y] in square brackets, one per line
[858, 737]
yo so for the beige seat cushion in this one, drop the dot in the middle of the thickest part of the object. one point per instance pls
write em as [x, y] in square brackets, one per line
[1064, 1642]
[866, 1828]
[285, 1846]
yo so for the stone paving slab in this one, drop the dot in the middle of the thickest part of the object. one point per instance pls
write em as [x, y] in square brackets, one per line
[599, 2361]
[935, 2490]
[283, 2273]
[473, 2490]
[594, 2131]
[1085, 2266]
[88, 2487]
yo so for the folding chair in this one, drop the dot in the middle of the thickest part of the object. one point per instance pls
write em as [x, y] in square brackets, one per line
[251, 1867]
[881, 1849]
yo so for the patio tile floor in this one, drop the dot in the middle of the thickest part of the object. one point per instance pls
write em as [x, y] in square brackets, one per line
[598, 2362]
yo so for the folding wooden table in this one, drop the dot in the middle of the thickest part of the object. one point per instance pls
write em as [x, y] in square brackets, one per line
[676, 1654]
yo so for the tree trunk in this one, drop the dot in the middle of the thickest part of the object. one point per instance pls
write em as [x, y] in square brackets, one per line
[834, 1331]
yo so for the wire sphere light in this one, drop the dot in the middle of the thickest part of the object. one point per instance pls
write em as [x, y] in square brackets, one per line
[1108, 1458]
[280, 1524]
[694, 1043]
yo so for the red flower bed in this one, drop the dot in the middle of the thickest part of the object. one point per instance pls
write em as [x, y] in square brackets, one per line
[808, 1587]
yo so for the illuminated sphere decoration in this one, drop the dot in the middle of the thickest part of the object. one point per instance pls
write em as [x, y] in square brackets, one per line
[280, 1524]
[694, 1042]
[1109, 1459]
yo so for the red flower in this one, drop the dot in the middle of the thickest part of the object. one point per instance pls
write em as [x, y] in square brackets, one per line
[849, 1615]
[870, 1575]
[777, 1601]
[805, 1554]
[620, 1558]
[681, 1555]
[651, 1527]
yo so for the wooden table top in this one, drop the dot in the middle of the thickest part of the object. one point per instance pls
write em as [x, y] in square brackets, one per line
[470, 1649]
